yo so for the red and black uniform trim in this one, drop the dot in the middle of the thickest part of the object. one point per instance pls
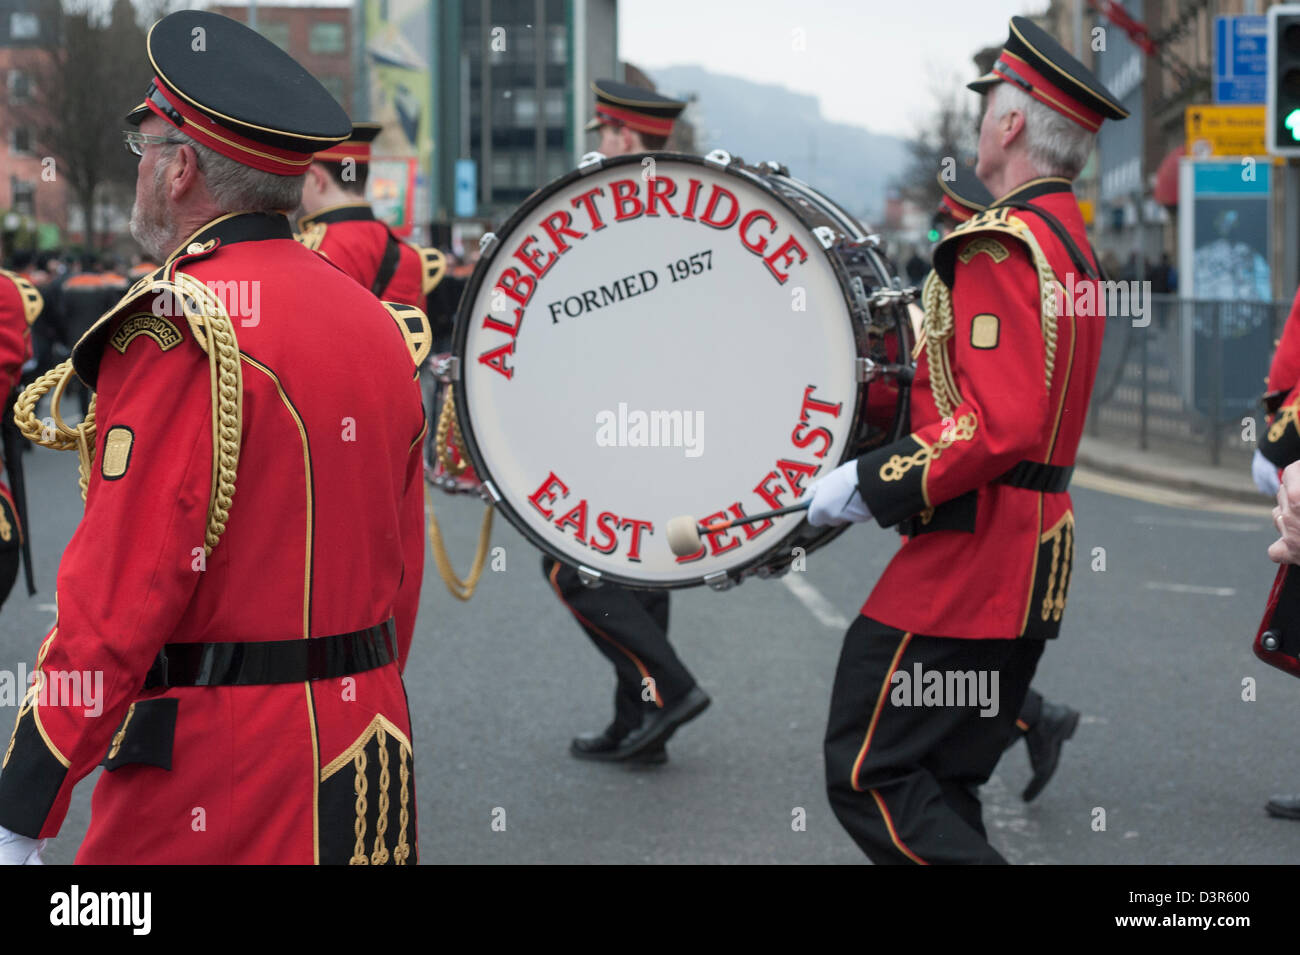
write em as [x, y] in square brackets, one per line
[1034, 62]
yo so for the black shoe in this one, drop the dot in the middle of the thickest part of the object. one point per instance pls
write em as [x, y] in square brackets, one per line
[658, 725]
[1285, 807]
[1045, 739]
[604, 747]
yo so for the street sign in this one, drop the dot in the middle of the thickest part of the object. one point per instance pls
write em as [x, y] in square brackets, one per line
[1225, 131]
[1240, 59]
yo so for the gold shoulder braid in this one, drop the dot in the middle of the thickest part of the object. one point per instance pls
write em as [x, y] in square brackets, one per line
[311, 235]
[433, 266]
[215, 334]
[32, 301]
[937, 300]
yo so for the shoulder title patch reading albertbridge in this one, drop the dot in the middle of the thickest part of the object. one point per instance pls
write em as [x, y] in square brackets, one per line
[162, 331]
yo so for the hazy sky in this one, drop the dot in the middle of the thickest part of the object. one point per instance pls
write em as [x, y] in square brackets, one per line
[872, 63]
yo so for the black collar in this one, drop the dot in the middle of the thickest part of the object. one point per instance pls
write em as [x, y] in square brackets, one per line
[352, 212]
[237, 227]
[1035, 188]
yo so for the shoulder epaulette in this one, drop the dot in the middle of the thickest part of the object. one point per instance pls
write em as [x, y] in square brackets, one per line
[312, 235]
[32, 301]
[414, 326]
[980, 235]
[434, 266]
[984, 225]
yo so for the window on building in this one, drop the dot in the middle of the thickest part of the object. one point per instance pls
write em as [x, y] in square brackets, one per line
[277, 33]
[502, 170]
[24, 197]
[553, 106]
[20, 87]
[556, 43]
[24, 26]
[326, 38]
[525, 107]
[20, 141]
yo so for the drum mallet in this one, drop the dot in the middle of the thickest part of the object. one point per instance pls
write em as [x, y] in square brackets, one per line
[684, 532]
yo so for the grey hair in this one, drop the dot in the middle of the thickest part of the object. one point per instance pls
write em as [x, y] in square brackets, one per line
[239, 188]
[1057, 146]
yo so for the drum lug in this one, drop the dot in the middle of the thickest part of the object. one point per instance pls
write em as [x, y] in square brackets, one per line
[486, 241]
[774, 167]
[590, 162]
[719, 158]
[868, 370]
[719, 580]
[860, 296]
[589, 577]
[489, 493]
[825, 235]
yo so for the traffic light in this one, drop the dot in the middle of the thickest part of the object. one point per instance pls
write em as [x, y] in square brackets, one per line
[1284, 80]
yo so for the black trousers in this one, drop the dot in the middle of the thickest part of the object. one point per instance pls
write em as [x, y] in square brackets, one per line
[630, 627]
[903, 767]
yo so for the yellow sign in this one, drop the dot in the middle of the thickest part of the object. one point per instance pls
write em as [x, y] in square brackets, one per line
[1088, 209]
[1225, 131]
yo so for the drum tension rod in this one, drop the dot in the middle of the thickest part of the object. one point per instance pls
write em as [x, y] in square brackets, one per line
[883, 297]
[869, 371]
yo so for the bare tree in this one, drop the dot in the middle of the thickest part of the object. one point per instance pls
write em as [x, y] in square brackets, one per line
[92, 70]
[949, 136]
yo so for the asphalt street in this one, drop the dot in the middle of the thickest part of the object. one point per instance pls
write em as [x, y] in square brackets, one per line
[1155, 652]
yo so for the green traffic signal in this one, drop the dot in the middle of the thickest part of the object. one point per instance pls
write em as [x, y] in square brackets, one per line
[933, 234]
[1292, 123]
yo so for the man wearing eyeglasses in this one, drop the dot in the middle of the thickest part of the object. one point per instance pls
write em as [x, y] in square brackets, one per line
[238, 601]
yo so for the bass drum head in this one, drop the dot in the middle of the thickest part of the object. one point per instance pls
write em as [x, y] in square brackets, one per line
[659, 337]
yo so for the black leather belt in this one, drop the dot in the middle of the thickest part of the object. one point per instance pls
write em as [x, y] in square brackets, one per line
[1048, 478]
[274, 661]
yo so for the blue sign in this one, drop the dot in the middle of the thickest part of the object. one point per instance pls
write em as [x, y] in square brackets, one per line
[1240, 59]
[466, 188]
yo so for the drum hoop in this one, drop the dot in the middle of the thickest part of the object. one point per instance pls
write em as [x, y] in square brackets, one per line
[465, 315]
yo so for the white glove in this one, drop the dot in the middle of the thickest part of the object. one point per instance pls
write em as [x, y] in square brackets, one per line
[835, 498]
[1264, 472]
[19, 850]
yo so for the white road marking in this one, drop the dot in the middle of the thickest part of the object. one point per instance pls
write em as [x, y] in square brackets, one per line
[817, 605]
[1199, 524]
[1192, 589]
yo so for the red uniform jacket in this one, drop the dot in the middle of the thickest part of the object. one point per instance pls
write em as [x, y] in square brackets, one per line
[354, 240]
[999, 382]
[20, 304]
[324, 537]
[1280, 442]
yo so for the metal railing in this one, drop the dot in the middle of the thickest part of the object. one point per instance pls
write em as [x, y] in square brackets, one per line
[1188, 382]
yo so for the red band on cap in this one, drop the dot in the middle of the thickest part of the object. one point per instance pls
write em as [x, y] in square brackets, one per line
[203, 129]
[360, 152]
[956, 209]
[1009, 67]
[638, 121]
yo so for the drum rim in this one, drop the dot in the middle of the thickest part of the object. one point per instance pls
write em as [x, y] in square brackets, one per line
[464, 315]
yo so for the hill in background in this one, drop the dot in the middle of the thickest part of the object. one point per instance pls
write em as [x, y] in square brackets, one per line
[756, 121]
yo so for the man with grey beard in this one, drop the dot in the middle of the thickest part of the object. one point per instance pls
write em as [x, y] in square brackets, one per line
[247, 571]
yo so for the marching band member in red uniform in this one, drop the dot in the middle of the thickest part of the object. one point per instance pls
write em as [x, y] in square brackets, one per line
[20, 305]
[1279, 448]
[1280, 443]
[340, 223]
[654, 693]
[1043, 725]
[979, 486]
[241, 591]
